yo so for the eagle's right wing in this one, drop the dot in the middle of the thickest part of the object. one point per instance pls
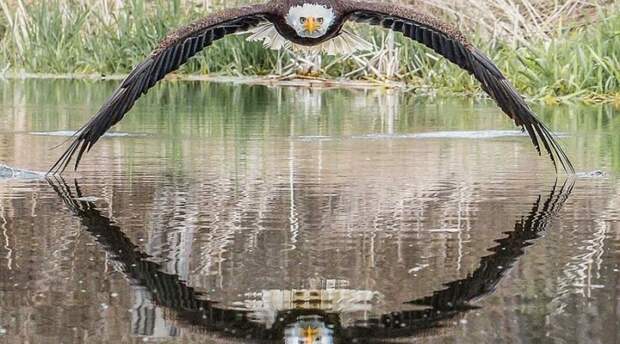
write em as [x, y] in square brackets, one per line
[171, 53]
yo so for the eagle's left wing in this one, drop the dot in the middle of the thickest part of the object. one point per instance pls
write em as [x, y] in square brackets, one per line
[451, 44]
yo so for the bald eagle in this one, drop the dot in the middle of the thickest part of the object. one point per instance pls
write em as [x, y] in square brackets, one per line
[313, 24]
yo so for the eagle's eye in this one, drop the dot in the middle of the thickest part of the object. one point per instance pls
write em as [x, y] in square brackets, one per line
[319, 20]
[302, 19]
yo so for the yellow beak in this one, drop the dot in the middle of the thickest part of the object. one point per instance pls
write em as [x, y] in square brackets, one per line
[309, 334]
[311, 24]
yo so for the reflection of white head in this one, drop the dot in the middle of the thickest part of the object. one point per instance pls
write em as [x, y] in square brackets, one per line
[308, 329]
[310, 20]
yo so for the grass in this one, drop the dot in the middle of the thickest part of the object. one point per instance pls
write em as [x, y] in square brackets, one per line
[549, 52]
[581, 63]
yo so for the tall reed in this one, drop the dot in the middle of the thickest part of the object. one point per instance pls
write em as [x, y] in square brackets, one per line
[543, 45]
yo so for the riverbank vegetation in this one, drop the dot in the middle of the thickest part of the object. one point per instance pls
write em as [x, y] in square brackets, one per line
[553, 50]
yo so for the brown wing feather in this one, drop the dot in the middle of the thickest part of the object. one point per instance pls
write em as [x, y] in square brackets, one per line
[451, 44]
[171, 53]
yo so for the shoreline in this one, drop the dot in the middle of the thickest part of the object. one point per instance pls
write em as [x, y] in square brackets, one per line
[314, 82]
[268, 80]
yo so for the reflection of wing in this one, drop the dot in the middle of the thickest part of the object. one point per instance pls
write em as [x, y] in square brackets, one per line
[176, 49]
[451, 44]
[169, 291]
[493, 267]
[455, 299]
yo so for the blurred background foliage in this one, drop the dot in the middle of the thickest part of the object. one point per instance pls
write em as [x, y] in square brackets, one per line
[554, 50]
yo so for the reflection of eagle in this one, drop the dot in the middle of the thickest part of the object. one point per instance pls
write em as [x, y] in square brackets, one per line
[311, 23]
[315, 325]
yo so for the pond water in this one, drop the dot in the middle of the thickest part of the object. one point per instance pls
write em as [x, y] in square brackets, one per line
[219, 213]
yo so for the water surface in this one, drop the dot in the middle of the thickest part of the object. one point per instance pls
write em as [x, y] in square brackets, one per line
[222, 213]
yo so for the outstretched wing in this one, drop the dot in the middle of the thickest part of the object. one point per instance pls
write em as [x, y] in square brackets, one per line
[451, 44]
[171, 53]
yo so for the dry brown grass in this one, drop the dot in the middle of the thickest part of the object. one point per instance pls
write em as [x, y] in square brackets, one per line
[515, 21]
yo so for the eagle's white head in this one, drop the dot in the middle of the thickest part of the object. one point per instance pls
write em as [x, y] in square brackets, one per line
[310, 20]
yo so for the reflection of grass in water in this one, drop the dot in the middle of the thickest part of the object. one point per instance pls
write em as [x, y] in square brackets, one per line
[594, 142]
[57, 37]
[182, 111]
